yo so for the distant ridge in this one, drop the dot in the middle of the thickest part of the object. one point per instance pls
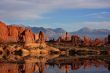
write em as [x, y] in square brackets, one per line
[51, 33]
[93, 33]
[55, 33]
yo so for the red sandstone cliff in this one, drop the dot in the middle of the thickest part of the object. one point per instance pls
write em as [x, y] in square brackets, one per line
[13, 33]
[3, 32]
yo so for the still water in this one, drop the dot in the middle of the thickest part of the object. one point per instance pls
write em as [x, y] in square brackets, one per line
[55, 63]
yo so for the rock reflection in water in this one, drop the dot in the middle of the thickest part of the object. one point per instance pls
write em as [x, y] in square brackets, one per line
[29, 64]
[55, 64]
[81, 65]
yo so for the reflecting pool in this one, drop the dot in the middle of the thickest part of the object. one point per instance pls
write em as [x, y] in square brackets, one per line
[55, 63]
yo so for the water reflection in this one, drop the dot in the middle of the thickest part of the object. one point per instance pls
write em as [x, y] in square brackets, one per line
[55, 63]
[81, 65]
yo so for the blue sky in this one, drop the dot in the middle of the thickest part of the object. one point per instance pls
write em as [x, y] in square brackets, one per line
[68, 14]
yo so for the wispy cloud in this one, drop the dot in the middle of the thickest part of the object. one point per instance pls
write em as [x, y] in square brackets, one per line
[34, 9]
[99, 15]
[96, 25]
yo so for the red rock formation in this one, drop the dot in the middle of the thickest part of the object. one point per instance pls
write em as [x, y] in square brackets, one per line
[20, 32]
[75, 40]
[3, 32]
[41, 37]
[98, 42]
[67, 37]
[28, 36]
[86, 41]
[13, 34]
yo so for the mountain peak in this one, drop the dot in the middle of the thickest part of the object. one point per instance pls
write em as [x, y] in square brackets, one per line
[85, 29]
[61, 30]
[93, 33]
